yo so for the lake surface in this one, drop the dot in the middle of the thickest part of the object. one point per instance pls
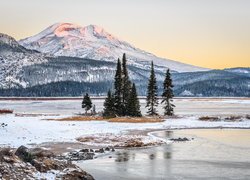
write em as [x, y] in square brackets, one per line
[184, 106]
[212, 154]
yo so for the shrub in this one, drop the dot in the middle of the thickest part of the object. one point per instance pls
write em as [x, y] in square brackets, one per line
[233, 118]
[209, 118]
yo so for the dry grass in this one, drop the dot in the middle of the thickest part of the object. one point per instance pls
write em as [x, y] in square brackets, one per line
[117, 119]
[33, 115]
[136, 119]
[79, 118]
[208, 118]
[233, 118]
[6, 111]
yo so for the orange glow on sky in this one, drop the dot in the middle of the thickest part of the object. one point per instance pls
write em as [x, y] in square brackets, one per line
[207, 33]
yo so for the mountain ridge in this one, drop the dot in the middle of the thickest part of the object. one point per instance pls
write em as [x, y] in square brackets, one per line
[25, 72]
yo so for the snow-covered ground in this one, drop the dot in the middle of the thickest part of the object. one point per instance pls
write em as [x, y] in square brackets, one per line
[35, 130]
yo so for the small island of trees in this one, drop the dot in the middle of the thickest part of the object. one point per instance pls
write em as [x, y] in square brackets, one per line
[122, 100]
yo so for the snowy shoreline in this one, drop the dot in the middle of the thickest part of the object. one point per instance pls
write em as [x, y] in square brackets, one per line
[28, 127]
[34, 130]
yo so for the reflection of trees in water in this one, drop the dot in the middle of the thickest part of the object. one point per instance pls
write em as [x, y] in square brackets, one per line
[168, 134]
[123, 156]
[152, 156]
[168, 148]
[167, 155]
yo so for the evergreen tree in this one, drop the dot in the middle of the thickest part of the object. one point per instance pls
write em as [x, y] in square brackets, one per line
[168, 95]
[152, 100]
[109, 103]
[134, 104]
[118, 89]
[86, 103]
[126, 85]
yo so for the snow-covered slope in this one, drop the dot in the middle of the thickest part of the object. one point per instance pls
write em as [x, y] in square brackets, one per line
[13, 57]
[93, 42]
[21, 67]
[245, 71]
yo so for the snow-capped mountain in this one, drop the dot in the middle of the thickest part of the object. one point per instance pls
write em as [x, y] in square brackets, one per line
[13, 57]
[28, 72]
[93, 42]
[22, 68]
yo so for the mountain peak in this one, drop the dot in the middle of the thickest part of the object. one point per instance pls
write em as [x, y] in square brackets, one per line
[93, 42]
[69, 30]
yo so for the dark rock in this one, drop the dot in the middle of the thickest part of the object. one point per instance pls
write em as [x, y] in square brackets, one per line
[107, 149]
[74, 154]
[91, 150]
[113, 149]
[84, 150]
[23, 153]
[101, 150]
[179, 139]
[89, 156]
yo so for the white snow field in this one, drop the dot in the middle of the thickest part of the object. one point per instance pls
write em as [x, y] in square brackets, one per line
[27, 130]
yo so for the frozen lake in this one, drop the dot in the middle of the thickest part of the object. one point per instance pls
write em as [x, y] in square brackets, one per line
[29, 129]
[184, 106]
[213, 154]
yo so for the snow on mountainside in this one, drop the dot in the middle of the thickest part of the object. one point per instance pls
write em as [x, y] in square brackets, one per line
[240, 70]
[23, 68]
[5, 39]
[93, 42]
[13, 57]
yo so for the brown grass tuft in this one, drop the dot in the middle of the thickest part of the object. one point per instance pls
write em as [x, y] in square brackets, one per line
[136, 119]
[233, 118]
[80, 118]
[208, 118]
[6, 111]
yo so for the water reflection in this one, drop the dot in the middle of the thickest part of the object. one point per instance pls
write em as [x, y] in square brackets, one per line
[180, 160]
[122, 157]
[152, 156]
[168, 134]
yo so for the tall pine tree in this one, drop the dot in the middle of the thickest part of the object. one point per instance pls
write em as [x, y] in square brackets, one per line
[126, 85]
[86, 103]
[118, 90]
[168, 95]
[109, 103]
[152, 99]
[133, 103]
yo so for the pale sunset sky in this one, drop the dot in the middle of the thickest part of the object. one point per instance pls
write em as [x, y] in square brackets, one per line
[207, 33]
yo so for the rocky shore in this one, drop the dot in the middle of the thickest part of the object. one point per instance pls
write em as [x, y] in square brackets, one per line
[37, 163]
